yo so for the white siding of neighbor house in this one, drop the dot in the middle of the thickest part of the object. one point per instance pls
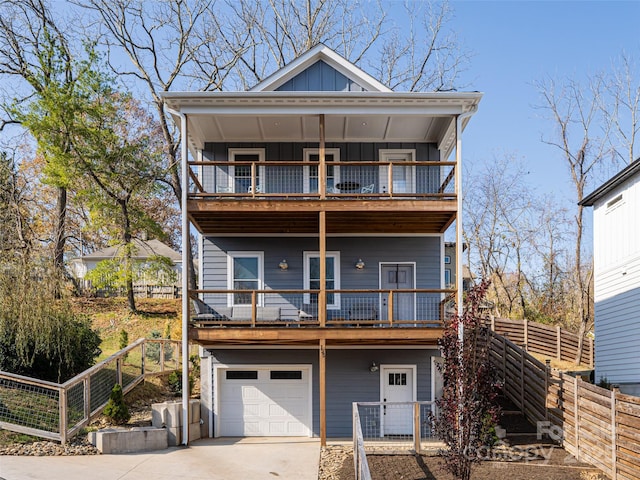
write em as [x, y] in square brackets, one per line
[617, 285]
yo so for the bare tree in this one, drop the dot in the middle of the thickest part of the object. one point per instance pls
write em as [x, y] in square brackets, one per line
[583, 143]
[35, 49]
[499, 229]
[164, 42]
[621, 108]
[268, 34]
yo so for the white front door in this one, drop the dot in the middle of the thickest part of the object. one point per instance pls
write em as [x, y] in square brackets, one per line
[398, 385]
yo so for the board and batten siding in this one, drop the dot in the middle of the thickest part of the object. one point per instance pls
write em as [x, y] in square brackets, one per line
[348, 377]
[320, 77]
[617, 286]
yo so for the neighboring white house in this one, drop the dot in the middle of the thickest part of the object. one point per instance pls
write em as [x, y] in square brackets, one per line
[144, 249]
[616, 239]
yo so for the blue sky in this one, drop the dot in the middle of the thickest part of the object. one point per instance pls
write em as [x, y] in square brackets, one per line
[518, 42]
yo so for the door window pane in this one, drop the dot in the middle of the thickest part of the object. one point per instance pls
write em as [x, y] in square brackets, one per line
[246, 276]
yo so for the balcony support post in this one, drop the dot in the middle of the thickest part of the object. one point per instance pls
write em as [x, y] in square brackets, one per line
[322, 168]
[322, 296]
[323, 391]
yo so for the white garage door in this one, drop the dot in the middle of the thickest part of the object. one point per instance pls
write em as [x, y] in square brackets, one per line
[264, 401]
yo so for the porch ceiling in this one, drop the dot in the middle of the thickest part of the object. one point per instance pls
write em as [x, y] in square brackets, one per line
[263, 219]
[294, 116]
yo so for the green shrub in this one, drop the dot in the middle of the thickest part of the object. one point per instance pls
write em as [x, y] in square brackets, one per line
[123, 341]
[116, 410]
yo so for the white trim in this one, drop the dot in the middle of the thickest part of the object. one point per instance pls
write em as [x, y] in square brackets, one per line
[231, 254]
[410, 155]
[331, 58]
[219, 367]
[306, 255]
[260, 152]
[307, 152]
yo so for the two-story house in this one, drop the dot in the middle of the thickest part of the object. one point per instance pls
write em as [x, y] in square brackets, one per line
[321, 199]
[616, 263]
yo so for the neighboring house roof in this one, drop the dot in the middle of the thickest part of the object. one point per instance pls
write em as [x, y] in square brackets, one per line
[611, 184]
[320, 53]
[144, 249]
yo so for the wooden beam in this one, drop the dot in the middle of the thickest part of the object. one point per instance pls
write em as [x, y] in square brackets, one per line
[310, 335]
[323, 392]
[322, 296]
[315, 205]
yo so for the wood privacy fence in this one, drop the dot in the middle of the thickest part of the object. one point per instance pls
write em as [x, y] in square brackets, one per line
[550, 341]
[596, 425]
[59, 411]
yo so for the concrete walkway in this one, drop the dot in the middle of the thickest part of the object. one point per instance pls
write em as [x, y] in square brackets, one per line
[213, 459]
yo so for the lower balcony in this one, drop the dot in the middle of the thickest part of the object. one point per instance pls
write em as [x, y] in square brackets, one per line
[294, 316]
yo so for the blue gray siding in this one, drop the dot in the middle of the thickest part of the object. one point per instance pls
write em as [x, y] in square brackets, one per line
[351, 152]
[320, 77]
[348, 377]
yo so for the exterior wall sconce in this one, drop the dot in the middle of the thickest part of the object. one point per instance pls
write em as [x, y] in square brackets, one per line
[359, 264]
[373, 368]
[283, 265]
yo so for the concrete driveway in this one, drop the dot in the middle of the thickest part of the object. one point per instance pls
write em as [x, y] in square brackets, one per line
[213, 459]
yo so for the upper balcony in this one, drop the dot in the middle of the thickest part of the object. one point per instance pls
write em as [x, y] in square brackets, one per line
[285, 196]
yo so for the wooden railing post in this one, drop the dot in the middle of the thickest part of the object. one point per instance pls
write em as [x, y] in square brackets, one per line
[547, 369]
[417, 440]
[576, 427]
[119, 370]
[254, 183]
[526, 335]
[62, 424]
[522, 382]
[254, 308]
[504, 359]
[614, 440]
[87, 396]
[162, 356]
[390, 307]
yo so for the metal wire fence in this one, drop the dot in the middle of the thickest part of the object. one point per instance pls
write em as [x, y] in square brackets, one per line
[58, 411]
[395, 426]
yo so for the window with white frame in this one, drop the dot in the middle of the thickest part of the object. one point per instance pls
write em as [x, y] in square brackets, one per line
[312, 277]
[403, 176]
[311, 178]
[240, 175]
[447, 277]
[245, 271]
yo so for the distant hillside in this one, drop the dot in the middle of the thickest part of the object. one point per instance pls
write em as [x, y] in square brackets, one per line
[110, 315]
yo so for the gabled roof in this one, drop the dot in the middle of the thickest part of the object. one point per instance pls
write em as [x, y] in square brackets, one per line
[144, 249]
[320, 53]
[610, 184]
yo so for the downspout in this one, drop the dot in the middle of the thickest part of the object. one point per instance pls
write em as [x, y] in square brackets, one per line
[184, 152]
[459, 250]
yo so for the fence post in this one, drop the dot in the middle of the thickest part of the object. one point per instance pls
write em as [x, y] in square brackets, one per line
[614, 440]
[522, 382]
[526, 335]
[143, 354]
[119, 371]
[593, 353]
[62, 424]
[504, 359]
[162, 356]
[417, 440]
[87, 397]
[558, 342]
[575, 416]
[493, 323]
[547, 369]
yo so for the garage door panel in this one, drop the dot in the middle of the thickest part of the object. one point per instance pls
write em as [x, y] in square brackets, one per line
[256, 404]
